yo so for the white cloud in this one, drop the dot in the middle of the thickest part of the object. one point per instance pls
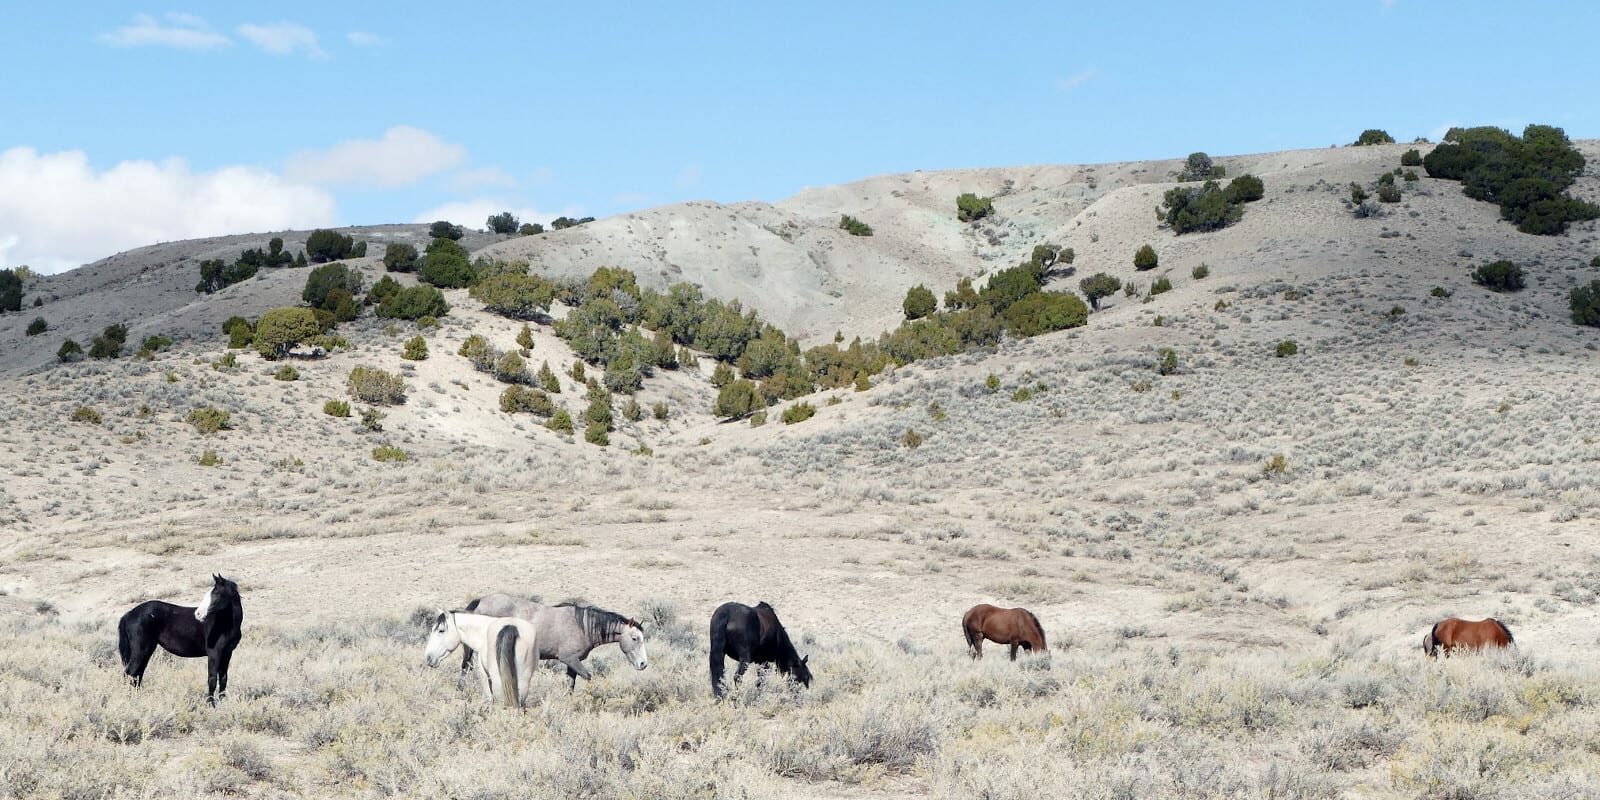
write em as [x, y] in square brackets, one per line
[474, 213]
[471, 179]
[283, 38]
[186, 32]
[57, 211]
[404, 155]
[363, 39]
[1074, 81]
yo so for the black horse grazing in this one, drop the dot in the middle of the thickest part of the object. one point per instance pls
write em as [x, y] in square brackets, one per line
[211, 630]
[752, 634]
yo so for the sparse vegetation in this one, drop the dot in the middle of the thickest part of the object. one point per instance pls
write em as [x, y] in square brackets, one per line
[1286, 348]
[416, 349]
[373, 385]
[336, 408]
[86, 415]
[38, 326]
[799, 412]
[389, 452]
[287, 372]
[210, 419]
[853, 226]
[521, 399]
[1585, 303]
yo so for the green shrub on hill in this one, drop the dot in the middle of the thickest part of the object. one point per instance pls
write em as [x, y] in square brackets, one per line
[282, 329]
[1373, 136]
[1527, 177]
[971, 208]
[400, 257]
[415, 303]
[853, 226]
[1499, 276]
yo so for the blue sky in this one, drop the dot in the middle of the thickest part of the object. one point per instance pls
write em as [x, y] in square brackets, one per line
[164, 122]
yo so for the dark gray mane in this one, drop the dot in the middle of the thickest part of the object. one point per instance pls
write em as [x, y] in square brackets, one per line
[598, 624]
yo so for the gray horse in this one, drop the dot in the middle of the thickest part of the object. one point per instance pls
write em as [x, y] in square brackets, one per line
[567, 631]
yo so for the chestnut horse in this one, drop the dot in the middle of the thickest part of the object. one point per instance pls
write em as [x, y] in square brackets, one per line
[1017, 627]
[1459, 634]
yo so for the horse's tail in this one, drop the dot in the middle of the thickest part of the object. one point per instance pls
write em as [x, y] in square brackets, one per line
[124, 647]
[1507, 631]
[1039, 628]
[1430, 643]
[505, 647]
[719, 646]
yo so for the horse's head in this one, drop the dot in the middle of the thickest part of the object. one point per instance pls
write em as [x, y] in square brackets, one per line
[801, 671]
[443, 638]
[630, 637]
[223, 593]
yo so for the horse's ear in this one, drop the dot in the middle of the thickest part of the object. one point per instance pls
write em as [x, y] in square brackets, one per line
[806, 659]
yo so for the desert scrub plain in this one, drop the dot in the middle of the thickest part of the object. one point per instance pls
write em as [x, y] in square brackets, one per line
[1235, 555]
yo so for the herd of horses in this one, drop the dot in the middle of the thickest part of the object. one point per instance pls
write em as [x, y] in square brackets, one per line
[503, 638]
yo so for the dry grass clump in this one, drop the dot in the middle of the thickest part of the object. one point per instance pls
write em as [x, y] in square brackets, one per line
[347, 710]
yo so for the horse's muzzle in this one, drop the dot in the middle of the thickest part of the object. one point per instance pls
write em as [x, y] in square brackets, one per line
[641, 665]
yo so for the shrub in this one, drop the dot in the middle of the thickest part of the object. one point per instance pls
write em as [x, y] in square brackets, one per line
[1286, 348]
[416, 349]
[241, 332]
[209, 458]
[336, 408]
[1389, 193]
[444, 230]
[209, 419]
[1411, 158]
[1043, 312]
[1200, 273]
[226, 363]
[502, 223]
[1595, 262]
[576, 373]
[1145, 258]
[86, 414]
[1527, 177]
[70, 351]
[530, 229]
[1411, 176]
[521, 399]
[110, 342]
[446, 265]
[1160, 285]
[758, 419]
[216, 274]
[971, 208]
[38, 326]
[400, 257]
[385, 288]
[1585, 302]
[155, 343]
[598, 412]
[510, 368]
[737, 399]
[1203, 208]
[961, 297]
[322, 282]
[1499, 276]
[10, 290]
[919, 302]
[562, 223]
[799, 412]
[632, 411]
[659, 411]
[280, 330]
[597, 434]
[372, 420]
[547, 379]
[287, 372]
[522, 297]
[1166, 361]
[373, 385]
[853, 226]
[1440, 291]
[1099, 286]
[1372, 136]
[1358, 195]
[388, 452]
[912, 440]
[560, 422]
[525, 337]
[1197, 167]
[325, 245]
[414, 302]
[1245, 189]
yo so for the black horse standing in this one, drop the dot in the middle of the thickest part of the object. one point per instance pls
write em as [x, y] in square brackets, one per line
[210, 630]
[752, 635]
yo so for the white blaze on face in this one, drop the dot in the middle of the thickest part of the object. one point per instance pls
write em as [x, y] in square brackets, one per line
[633, 647]
[204, 609]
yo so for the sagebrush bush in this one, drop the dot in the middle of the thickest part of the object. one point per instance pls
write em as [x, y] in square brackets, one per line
[1286, 348]
[373, 385]
[511, 368]
[911, 440]
[1499, 276]
[524, 400]
[853, 226]
[389, 452]
[659, 410]
[1200, 272]
[86, 414]
[38, 326]
[209, 458]
[1145, 258]
[1389, 193]
[737, 399]
[1585, 304]
[336, 408]
[287, 372]
[799, 412]
[210, 419]
[560, 422]
[416, 349]
[1160, 285]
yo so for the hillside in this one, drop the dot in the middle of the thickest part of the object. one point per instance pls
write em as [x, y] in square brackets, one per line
[1235, 561]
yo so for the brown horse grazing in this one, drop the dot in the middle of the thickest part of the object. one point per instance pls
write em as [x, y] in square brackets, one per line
[1017, 627]
[1459, 634]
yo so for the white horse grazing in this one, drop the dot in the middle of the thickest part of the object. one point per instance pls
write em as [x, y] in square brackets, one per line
[505, 650]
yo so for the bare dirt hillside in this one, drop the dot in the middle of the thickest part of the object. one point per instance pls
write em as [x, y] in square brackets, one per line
[1235, 559]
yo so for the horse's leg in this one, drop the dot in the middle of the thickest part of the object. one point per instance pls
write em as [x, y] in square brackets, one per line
[211, 678]
[1013, 651]
[138, 659]
[484, 683]
[224, 659]
[575, 670]
[738, 674]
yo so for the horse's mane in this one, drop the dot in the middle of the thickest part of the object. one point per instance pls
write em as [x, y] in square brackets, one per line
[1509, 638]
[598, 623]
